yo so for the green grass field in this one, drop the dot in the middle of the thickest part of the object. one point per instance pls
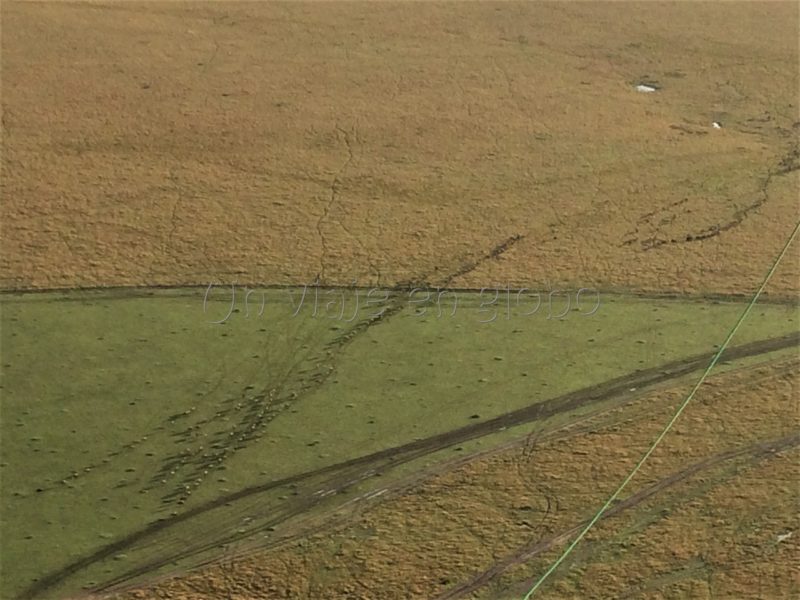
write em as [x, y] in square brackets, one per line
[120, 409]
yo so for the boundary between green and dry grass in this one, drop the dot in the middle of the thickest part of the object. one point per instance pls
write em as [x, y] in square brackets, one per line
[187, 291]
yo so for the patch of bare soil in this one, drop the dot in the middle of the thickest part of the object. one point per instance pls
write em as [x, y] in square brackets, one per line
[712, 514]
[183, 143]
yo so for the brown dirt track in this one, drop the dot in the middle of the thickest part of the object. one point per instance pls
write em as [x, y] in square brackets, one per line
[681, 533]
[179, 143]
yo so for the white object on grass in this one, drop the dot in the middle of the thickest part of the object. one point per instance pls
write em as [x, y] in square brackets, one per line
[642, 87]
